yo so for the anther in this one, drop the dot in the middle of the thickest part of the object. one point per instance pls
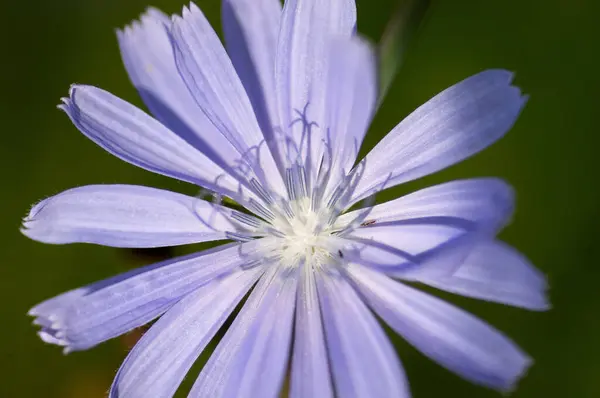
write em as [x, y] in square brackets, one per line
[260, 210]
[240, 237]
[246, 219]
[289, 182]
[261, 191]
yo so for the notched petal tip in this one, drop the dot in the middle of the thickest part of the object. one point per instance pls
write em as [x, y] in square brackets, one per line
[506, 77]
[187, 11]
[499, 75]
[154, 12]
[149, 16]
[73, 88]
[193, 7]
[128, 29]
[36, 209]
[65, 104]
[152, 18]
[69, 104]
[53, 334]
[175, 21]
[52, 327]
[47, 336]
[28, 221]
[77, 89]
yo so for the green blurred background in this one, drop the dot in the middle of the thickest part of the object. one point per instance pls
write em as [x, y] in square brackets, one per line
[551, 158]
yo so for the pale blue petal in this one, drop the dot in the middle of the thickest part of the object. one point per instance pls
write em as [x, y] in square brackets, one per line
[163, 356]
[371, 253]
[251, 359]
[351, 94]
[212, 81]
[310, 366]
[486, 202]
[126, 216]
[251, 28]
[423, 226]
[412, 244]
[455, 124]
[363, 361]
[443, 236]
[148, 57]
[452, 337]
[88, 316]
[413, 239]
[496, 272]
[301, 72]
[132, 135]
[433, 251]
[443, 260]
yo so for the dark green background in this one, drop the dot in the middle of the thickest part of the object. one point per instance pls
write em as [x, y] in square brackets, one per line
[550, 157]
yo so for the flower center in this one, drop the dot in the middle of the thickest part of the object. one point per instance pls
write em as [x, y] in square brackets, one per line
[305, 247]
[300, 227]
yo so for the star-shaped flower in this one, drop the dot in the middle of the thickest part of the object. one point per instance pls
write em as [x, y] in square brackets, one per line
[275, 123]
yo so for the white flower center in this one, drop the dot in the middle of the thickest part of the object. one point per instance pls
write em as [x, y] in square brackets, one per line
[300, 228]
[304, 235]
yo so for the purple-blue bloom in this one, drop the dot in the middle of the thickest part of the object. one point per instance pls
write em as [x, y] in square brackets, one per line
[274, 121]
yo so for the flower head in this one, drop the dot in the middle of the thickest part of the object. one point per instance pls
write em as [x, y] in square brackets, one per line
[275, 123]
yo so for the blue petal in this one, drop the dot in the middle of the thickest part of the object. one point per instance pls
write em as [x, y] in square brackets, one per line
[371, 253]
[487, 202]
[307, 26]
[452, 126]
[363, 362]
[219, 93]
[160, 360]
[132, 135]
[310, 366]
[126, 216]
[251, 359]
[251, 28]
[496, 272]
[85, 317]
[429, 222]
[351, 94]
[453, 338]
[148, 57]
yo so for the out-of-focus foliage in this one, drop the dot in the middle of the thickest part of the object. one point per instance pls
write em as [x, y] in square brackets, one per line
[551, 157]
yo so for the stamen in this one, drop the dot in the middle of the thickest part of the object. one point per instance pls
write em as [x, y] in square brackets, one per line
[344, 190]
[289, 183]
[332, 217]
[287, 209]
[274, 232]
[336, 195]
[260, 210]
[238, 236]
[246, 219]
[315, 198]
[261, 191]
[296, 182]
[300, 181]
[322, 179]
